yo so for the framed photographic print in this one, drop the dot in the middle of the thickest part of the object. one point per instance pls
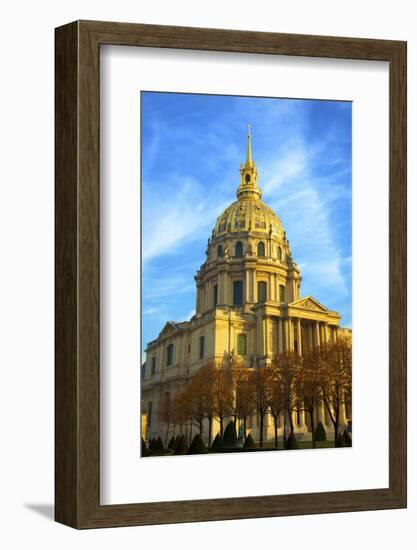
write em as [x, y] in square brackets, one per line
[230, 274]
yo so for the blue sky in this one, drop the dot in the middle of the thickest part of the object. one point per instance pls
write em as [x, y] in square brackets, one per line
[192, 147]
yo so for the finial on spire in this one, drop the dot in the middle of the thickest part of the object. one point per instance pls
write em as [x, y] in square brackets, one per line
[249, 149]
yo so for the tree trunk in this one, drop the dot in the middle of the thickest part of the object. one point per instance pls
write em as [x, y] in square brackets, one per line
[276, 431]
[166, 435]
[290, 419]
[313, 429]
[221, 427]
[261, 430]
[210, 430]
[244, 427]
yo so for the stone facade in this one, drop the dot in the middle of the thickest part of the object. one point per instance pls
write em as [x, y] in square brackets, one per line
[248, 304]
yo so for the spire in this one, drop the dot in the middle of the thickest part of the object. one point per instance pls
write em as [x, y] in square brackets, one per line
[248, 187]
[249, 149]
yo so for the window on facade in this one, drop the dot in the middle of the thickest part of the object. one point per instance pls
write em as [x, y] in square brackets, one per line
[239, 249]
[281, 293]
[261, 291]
[247, 178]
[189, 348]
[153, 366]
[215, 295]
[237, 293]
[149, 415]
[279, 253]
[219, 251]
[201, 347]
[170, 355]
[241, 344]
[261, 249]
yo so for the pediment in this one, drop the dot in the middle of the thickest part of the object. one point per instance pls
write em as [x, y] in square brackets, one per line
[169, 328]
[309, 303]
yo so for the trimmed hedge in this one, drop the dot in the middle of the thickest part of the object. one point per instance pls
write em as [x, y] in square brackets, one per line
[197, 446]
[217, 443]
[340, 442]
[347, 439]
[249, 442]
[292, 443]
[182, 447]
[230, 435]
[321, 432]
[171, 444]
[144, 450]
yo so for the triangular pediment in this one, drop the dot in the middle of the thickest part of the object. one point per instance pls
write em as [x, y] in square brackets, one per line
[169, 328]
[310, 304]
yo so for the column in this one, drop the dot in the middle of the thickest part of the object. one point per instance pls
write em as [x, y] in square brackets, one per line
[316, 334]
[271, 287]
[291, 334]
[247, 286]
[326, 333]
[300, 351]
[252, 285]
[280, 336]
[265, 334]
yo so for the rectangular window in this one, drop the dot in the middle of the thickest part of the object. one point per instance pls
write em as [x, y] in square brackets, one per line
[153, 366]
[170, 355]
[261, 291]
[149, 419]
[214, 295]
[237, 293]
[281, 293]
[201, 348]
[241, 344]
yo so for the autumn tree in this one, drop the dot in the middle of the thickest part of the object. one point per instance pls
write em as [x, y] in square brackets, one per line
[165, 412]
[206, 378]
[243, 392]
[288, 366]
[222, 394]
[260, 381]
[276, 397]
[308, 387]
[337, 379]
[196, 393]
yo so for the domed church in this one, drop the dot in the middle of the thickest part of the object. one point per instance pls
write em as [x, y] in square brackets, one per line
[248, 304]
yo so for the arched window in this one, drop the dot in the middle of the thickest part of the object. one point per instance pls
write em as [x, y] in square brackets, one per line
[247, 178]
[281, 293]
[261, 291]
[239, 249]
[241, 344]
[279, 253]
[170, 355]
[219, 251]
[261, 249]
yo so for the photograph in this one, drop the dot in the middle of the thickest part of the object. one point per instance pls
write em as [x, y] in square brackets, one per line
[246, 339]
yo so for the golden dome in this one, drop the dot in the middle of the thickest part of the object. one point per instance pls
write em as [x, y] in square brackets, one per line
[248, 213]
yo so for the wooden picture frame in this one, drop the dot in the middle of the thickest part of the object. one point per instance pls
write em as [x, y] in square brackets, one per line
[77, 403]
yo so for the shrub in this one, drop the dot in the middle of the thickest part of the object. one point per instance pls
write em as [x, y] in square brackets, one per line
[182, 447]
[347, 439]
[292, 443]
[197, 446]
[249, 442]
[217, 443]
[321, 432]
[152, 443]
[144, 450]
[171, 444]
[158, 445]
[230, 436]
[340, 442]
